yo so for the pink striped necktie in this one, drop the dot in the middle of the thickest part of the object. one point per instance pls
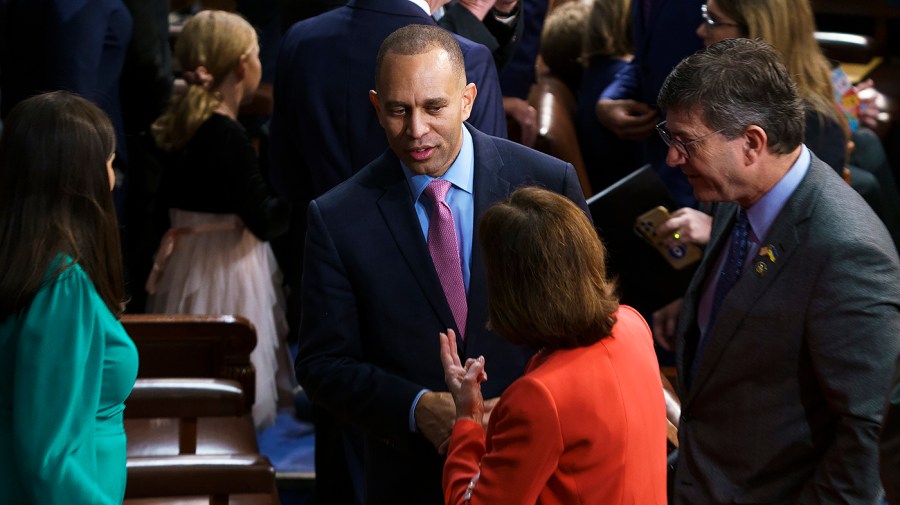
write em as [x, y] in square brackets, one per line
[444, 251]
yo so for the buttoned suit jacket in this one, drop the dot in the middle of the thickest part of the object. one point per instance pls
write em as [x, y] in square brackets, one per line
[324, 129]
[785, 405]
[373, 307]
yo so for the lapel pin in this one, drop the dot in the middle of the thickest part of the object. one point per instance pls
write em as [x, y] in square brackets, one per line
[760, 269]
[770, 252]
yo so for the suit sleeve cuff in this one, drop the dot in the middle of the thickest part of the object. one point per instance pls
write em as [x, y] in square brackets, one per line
[412, 410]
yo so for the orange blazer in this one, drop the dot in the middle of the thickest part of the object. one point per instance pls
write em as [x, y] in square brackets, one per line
[582, 426]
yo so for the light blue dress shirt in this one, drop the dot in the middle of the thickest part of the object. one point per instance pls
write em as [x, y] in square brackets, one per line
[760, 216]
[461, 201]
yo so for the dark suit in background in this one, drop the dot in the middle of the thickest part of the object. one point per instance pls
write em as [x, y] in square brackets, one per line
[786, 403]
[500, 38]
[662, 38]
[323, 127]
[373, 306]
[73, 45]
[518, 75]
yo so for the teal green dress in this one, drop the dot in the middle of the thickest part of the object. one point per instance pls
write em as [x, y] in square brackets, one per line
[66, 367]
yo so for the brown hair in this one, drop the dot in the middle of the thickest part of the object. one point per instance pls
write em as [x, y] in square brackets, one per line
[608, 30]
[546, 272]
[55, 199]
[736, 83]
[562, 38]
[216, 41]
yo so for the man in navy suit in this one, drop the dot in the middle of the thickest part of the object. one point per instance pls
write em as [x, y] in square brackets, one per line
[323, 129]
[373, 301]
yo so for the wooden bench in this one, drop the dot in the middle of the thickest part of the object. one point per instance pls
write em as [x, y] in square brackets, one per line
[176, 346]
[195, 480]
[170, 417]
[556, 136]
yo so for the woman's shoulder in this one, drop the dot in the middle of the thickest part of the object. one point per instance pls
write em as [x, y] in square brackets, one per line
[221, 125]
[66, 279]
[220, 137]
[630, 316]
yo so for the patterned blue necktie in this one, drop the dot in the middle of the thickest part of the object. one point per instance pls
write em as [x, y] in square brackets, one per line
[729, 275]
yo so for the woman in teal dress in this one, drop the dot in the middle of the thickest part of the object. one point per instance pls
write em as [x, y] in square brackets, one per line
[66, 364]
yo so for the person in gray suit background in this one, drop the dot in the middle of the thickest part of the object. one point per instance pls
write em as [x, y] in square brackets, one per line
[789, 330]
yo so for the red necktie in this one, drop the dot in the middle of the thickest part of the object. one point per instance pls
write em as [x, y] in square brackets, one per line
[444, 251]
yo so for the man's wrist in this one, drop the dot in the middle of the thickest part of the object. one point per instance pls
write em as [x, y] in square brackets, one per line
[412, 410]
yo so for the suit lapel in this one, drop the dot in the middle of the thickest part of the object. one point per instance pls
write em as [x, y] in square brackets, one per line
[784, 235]
[489, 187]
[689, 328]
[398, 211]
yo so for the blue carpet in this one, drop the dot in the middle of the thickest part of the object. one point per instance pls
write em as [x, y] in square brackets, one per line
[289, 445]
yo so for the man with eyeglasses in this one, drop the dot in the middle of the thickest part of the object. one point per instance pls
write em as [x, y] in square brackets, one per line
[789, 330]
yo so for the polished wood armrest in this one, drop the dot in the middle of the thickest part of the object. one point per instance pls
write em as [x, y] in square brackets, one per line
[169, 417]
[185, 397]
[216, 477]
[673, 409]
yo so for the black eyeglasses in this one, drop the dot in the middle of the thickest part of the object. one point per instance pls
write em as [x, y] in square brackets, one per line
[710, 22]
[680, 146]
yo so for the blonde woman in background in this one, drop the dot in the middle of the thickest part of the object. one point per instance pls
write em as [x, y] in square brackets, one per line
[214, 259]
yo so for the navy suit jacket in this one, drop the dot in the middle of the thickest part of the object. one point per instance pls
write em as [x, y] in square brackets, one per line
[662, 40]
[786, 403]
[75, 45]
[373, 307]
[324, 129]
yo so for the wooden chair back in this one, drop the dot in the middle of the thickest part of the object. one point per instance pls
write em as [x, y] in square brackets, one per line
[200, 346]
[556, 136]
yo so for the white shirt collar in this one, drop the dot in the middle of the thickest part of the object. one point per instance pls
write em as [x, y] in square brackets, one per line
[423, 5]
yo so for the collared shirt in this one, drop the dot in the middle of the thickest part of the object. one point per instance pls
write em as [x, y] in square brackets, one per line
[461, 201]
[424, 5]
[761, 216]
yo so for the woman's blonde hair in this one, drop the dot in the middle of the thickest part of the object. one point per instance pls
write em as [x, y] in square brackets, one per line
[209, 47]
[789, 26]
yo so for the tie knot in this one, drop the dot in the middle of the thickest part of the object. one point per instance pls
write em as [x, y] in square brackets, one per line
[437, 190]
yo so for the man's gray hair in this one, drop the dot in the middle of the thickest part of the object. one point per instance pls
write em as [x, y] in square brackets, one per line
[737, 83]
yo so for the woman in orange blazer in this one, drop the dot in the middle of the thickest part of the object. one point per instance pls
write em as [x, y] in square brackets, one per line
[586, 423]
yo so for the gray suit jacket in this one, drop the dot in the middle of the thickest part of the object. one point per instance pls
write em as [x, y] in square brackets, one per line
[786, 403]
